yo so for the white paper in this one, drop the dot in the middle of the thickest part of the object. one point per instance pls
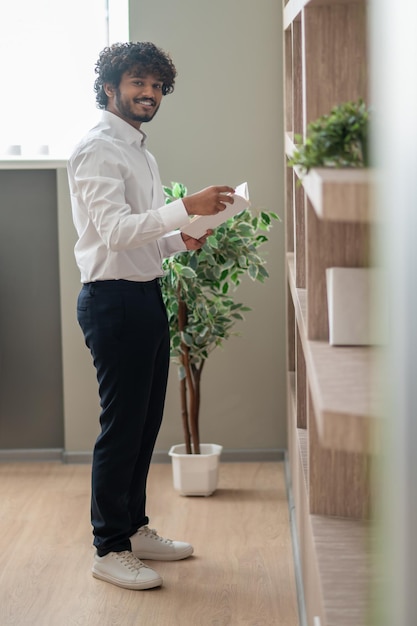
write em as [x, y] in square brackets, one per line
[199, 224]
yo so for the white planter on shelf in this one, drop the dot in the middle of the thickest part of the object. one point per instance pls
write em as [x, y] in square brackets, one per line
[196, 474]
[357, 306]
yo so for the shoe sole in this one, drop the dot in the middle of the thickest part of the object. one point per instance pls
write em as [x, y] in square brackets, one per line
[149, 584]
[156, 556]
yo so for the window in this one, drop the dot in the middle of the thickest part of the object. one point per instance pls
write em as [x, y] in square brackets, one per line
[48, 49]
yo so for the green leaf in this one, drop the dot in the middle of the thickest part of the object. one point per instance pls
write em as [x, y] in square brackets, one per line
[193, 261]
[179, 190]
[187, 339]
[265, 217]
[187, 272]
[212, 241]
[263, 271]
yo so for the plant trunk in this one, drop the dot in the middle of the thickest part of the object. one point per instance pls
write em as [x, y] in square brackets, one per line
[191, 401]
[196, 371]
[189, 393]
[182, 322]
[184, 414]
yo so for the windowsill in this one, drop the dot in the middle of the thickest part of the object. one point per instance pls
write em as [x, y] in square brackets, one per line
[36, 162]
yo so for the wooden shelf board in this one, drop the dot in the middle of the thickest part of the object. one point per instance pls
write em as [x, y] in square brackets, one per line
[342, 549]
[293, 8]
[342, 388]
[342, 391]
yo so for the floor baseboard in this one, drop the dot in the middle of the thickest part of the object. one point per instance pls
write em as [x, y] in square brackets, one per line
[159, 456]
[31, 455]
[237, 456]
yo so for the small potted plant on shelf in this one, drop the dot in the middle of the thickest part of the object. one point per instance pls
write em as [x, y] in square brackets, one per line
[339, 139]
[197, 289]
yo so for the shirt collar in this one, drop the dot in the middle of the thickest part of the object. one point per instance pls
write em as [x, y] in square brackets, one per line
[123, 130]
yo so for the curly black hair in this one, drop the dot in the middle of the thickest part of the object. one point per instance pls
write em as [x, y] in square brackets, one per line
[119, 58]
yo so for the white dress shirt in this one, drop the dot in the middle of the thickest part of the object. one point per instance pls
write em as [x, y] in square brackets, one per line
[124, 227]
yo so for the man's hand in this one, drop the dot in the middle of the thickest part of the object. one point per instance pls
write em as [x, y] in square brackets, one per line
[195, 244]
[209, 201]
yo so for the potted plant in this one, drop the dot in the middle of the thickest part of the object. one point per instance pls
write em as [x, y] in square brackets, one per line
[339, 139]
[197, 288]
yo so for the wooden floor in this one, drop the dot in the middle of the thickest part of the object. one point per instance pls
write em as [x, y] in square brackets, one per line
[241, 573]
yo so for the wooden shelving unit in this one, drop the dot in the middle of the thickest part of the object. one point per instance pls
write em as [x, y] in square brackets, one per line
[333, 408]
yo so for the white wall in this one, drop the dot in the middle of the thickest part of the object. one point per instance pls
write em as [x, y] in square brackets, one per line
[223, 124]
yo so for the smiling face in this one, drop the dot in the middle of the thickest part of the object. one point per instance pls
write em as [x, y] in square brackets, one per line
[136, 99]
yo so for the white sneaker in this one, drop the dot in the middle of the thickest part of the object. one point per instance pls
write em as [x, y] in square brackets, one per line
[147, 544]
[124, 569]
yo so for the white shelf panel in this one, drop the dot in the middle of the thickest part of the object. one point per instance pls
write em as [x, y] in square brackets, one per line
[293, 8]
[289, 144]
[292, 11]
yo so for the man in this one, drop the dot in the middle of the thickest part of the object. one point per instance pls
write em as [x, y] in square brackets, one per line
[124, 231]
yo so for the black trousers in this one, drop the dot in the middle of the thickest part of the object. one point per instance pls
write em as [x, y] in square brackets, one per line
[126, 329]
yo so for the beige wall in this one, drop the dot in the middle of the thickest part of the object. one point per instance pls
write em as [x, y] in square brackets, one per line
[81, 406]
[223, 124]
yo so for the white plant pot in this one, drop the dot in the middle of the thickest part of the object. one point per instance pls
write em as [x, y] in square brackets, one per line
[357, 306]
[196, 474]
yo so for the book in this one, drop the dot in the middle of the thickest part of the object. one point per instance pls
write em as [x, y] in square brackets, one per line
[199, 224]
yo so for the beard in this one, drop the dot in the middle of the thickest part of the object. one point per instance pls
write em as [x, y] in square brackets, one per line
[124, 107]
